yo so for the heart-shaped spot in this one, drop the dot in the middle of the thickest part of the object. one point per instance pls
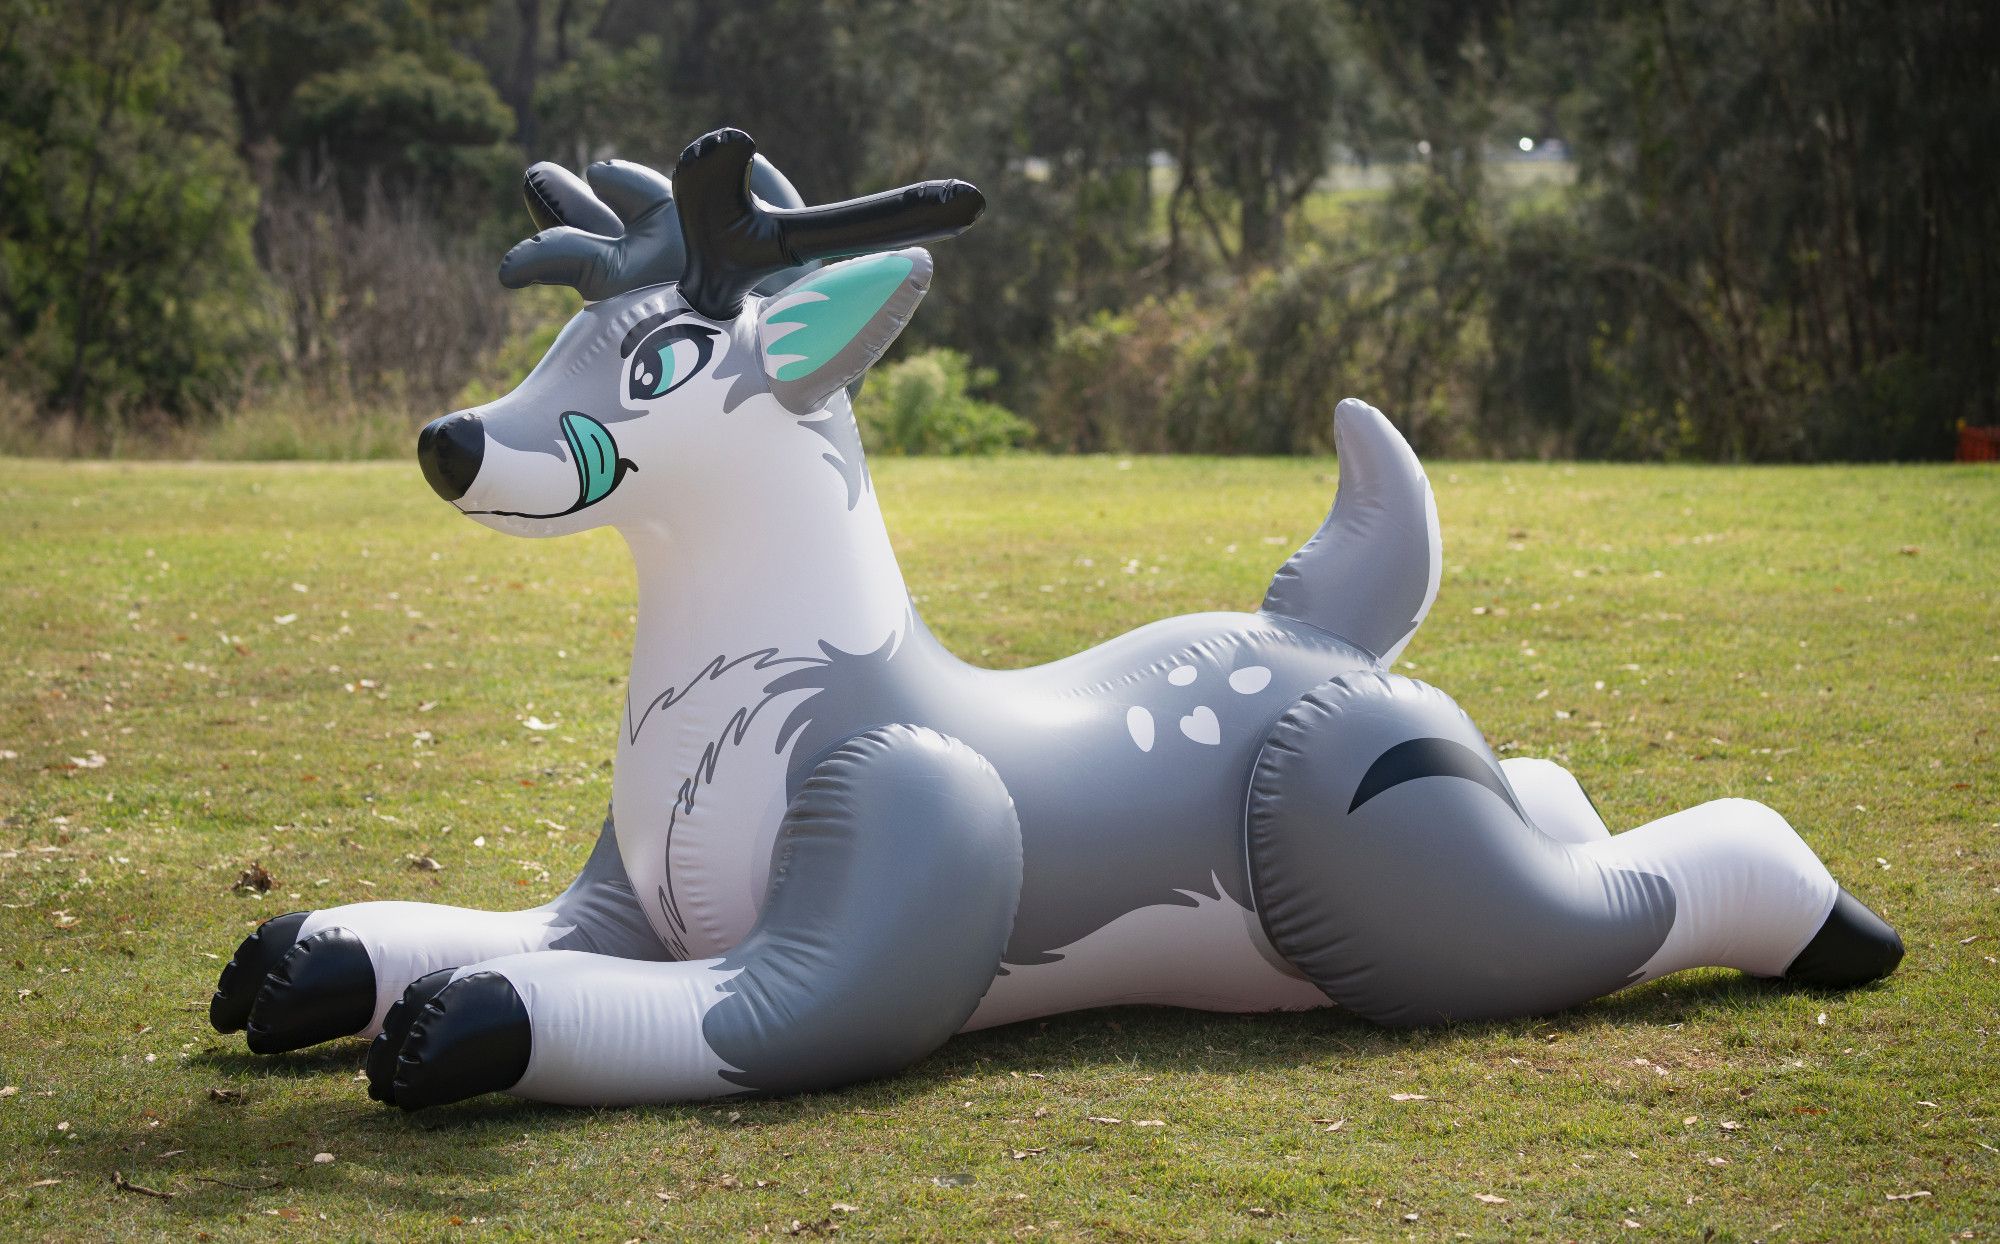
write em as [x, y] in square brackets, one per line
[1201, 726]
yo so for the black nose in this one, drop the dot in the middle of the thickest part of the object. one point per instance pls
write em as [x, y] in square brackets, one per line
[450, 450]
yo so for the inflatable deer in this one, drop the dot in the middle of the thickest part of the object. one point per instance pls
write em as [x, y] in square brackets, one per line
[833, 844]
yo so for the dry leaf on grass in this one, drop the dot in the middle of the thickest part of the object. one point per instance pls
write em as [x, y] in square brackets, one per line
[1409, 1097]
[1487, 1198]
[254, 879]
[1907, 1196]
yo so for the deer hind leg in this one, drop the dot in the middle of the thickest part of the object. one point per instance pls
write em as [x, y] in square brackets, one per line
[1393, 862]
[313, 976]
[1554, 801]
[892, 895]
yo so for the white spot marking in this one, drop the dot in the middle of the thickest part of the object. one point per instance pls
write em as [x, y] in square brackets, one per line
[1140, 723]
[1201, 726]
[1181, 675]
[1250, 680]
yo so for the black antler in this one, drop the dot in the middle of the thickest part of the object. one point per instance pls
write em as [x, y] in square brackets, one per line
[734, 241]
[620, 232]
[617, 234]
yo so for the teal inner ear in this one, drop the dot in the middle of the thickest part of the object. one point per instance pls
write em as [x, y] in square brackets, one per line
[851, 294]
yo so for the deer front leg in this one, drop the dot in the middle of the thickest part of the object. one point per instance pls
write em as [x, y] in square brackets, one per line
[892, 894]
[313, 976]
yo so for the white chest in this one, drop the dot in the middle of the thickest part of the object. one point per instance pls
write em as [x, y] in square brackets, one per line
[698, 793]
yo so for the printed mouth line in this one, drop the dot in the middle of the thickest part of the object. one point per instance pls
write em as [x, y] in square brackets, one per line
[599, 469]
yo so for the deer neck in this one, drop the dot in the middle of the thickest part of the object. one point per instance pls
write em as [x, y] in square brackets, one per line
[749, 584]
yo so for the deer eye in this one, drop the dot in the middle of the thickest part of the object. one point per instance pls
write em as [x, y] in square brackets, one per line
[668, 359]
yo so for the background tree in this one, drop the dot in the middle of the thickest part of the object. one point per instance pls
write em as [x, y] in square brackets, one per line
[1736, 231]
[126, 275]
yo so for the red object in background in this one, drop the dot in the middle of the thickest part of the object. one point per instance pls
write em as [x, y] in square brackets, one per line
[1978, 444]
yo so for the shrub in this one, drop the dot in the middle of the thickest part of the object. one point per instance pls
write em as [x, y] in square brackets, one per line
[924, 405]
[1107, 382]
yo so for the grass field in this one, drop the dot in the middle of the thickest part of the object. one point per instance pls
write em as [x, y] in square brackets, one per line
[320, 669]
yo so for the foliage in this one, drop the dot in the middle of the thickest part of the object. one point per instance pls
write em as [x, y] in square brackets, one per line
[922, 404]
[1260, 368]
[1781, 243]
[381, 301]
[369, 95]
[1765, 233]
[398, 121]
[126, 274]
[1107, 379]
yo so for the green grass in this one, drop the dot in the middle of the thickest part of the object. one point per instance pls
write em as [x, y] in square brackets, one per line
[1821, 639]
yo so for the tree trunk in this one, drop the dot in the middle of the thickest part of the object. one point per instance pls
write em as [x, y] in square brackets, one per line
[527, 66]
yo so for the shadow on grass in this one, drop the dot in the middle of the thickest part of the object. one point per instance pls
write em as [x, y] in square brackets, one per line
[1079, 1042]
[343, 1055]
[449, 1166]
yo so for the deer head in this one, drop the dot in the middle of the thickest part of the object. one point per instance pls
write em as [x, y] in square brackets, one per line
[712, 361]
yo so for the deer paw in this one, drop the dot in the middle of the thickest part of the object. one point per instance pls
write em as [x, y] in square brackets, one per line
[288, 993]
[449, 1039]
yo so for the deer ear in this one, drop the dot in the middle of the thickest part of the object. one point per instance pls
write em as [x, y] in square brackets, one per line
[824, 330]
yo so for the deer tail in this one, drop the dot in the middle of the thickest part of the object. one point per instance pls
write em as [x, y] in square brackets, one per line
[1371, 572]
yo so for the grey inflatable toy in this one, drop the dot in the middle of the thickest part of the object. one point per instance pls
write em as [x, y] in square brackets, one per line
[833, 844]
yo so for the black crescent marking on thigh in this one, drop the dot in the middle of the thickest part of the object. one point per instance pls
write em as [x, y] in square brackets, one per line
[1421, 758]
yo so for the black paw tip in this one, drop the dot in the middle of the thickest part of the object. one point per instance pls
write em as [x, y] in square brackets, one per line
[388, 1043]
[473, 1037]
[1853, 947]
[323, 989]
[243, 976]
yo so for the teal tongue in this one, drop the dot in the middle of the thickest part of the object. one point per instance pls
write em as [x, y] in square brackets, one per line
[595, 454]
